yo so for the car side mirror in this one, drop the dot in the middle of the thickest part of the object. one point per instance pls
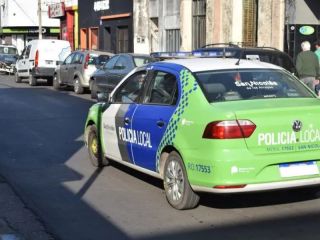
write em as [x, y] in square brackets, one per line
[59, 62]
[103, 97]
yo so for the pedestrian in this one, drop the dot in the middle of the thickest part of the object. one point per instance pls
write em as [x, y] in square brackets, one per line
[308, 66]
[317, 52]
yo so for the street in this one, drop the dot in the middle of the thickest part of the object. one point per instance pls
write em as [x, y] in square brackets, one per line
[44, 158]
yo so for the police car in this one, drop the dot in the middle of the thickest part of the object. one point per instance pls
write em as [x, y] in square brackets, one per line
[210, 125]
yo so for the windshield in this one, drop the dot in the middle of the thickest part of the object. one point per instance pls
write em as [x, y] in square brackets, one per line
[249, 84]
[8, 50]
[139, 61]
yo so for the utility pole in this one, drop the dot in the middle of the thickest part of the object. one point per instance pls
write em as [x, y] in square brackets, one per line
[40, 19]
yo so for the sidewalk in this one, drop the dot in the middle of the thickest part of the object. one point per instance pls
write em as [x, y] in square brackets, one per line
[17, 222]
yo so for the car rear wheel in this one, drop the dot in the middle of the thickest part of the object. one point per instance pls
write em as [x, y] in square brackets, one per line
[32, 80]
[94, 148]
[56, 84]
[17, 78]
[50, 81]
[176, 185]
[78, 89]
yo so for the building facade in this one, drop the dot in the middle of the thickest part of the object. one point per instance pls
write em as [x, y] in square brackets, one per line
[67, 12]
[20, 22]
[106, 25]
[183, 25]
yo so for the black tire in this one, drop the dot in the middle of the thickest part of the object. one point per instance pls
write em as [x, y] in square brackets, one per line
[94, 148]
[56, 84]
[93, 89]
[17, 78]
[176, 185]
[50, 81]
[32, 80]
[78, 89]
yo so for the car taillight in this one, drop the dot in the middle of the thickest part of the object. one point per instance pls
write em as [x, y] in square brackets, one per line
[229, 129]
[86, 63]
[36, 59]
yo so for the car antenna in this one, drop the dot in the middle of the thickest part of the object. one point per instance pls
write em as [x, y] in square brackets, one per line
[240, 56]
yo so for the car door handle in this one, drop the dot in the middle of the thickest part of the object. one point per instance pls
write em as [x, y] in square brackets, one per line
[127, 121]
[160, 123]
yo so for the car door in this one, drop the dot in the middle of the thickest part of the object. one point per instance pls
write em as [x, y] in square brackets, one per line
[23, 62]
[117, 133]
[102, 76]
[64, 68]
[151, 119]
[74, 67]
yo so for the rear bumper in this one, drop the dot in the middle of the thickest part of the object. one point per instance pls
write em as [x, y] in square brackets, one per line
[263, 186]
[42, 72]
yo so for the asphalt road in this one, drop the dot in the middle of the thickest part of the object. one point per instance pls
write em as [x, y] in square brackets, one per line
[43, 156]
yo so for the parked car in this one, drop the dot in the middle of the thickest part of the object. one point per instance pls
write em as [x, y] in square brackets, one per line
[210, 125]
[77, 68]
[8, 58]
[264, 54]
[108, 76]
[39, 59]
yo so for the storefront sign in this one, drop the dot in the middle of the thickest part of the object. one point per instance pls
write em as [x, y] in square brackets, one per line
[101, 5]
[306, 30]
[56, 10]
[30, 30]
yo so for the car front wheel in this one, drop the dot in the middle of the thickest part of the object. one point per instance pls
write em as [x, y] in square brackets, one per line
[17, 78]
[56, 84]
[176, 185]
[93, 89]
[94, 148]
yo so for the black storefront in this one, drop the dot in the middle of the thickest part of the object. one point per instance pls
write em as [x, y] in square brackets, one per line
[295, 34]
[106, 25]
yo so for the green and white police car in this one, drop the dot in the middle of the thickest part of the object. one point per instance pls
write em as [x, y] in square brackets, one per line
[210, 125]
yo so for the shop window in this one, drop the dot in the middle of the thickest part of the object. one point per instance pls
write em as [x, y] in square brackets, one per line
[122, 39]
[83, 38]
[198, 23]
[93, 38]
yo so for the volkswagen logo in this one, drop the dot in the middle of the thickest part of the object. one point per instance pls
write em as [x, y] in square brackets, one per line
[297, 125]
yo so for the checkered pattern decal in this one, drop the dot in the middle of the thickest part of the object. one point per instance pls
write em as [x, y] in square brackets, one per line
[188, 85]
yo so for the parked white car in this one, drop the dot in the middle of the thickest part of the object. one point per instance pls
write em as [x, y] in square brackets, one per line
[39, 60]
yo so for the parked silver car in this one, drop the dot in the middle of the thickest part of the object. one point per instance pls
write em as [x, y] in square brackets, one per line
[77, 68]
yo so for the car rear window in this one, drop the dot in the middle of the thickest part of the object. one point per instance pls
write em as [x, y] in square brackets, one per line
[139, 61]
[98, 60]
[8, 50]
[250, 84]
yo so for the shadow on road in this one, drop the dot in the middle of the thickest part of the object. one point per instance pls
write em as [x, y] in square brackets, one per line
[41, 137]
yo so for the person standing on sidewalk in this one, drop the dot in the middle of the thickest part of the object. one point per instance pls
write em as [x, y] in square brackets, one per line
[317, 52]
[308, 66]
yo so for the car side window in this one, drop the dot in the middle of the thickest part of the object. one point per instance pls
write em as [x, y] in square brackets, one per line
[76, 59]
[69, 59]
[23, 54]
[131, 89]
[110, 64]
[163, 89]
[121, 63]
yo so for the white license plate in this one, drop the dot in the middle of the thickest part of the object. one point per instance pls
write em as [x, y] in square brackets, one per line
[49, 62]
[298, 169]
